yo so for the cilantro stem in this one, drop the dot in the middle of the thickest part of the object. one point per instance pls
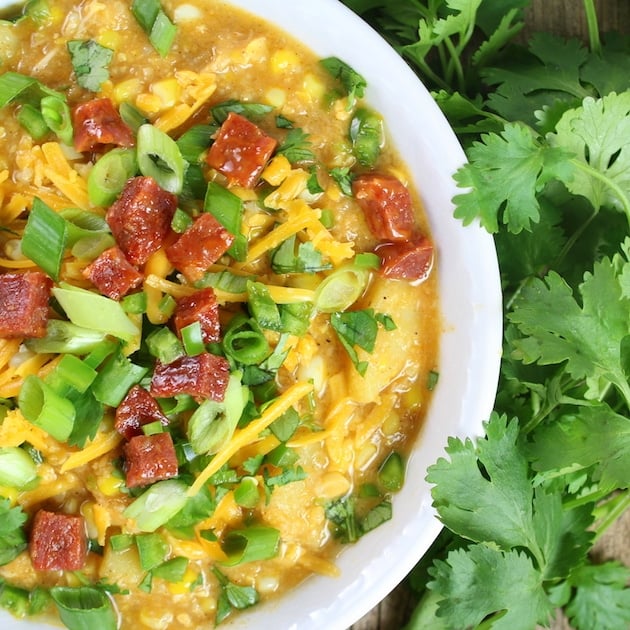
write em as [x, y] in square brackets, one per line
[596, 174]
[620, 503]
[593, 27]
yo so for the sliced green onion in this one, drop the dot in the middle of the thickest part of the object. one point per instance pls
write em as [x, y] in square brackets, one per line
[135, 303]
[84, 608]
[155, 23]
[167, 305]
[195, 141]
[159, 157]
[41, 406]
[366, 133]
[81, 223]
[75, 372]
[164, 345]
[391, 473]
[121, 542]
[327, 218]
[285, 426]
[251, 544]
[32, 120]
[172, 570]
[247, 494]
[117, 376]
[192, 338]
[245, 342]
[225, 281]
[262, 307]
[341, 289]
[213, 423]
[132, 116]
[282, 456]
[45, 236]
[14, 599]
[153, 428]
[109, 175]
[181, 221]
[99, 353]
[90, 247]
[17, 468]
[158, 504]
[66, 337]
[227, 209]
[56, 113]
[96, 312]
[367, 260]
[152, 550]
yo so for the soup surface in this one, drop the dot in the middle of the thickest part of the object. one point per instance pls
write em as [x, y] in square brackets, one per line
[218, 312]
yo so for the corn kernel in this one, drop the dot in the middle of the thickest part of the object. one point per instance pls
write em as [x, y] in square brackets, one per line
[314, 87]
[284, 60]
[168, 91]
[276, 97]
[109, 486]
[149, 103]
[109, 39]
[87, 510]
[127, 90]
[9, 493]
[391, 424]
[333, 484]
[179, 588]
[156, 620]
[56, 15]
[277, 170]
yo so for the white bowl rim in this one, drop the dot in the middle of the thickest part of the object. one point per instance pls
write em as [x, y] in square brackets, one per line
[471, 305]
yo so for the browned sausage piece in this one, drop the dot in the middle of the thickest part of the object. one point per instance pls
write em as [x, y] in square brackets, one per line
[203, 376]
[411, 260]
[386, 204]
[24, 304]
[98, 122]
[199, 307]
[58, 542]
[137, 408]
[149, 458]
[112, 274]
[240, 151]
[141, 218]
[201, 245]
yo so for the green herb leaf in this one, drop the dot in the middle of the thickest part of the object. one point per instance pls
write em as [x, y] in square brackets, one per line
[90, 62]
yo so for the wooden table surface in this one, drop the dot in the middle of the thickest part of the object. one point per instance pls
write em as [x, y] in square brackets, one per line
[567, 17]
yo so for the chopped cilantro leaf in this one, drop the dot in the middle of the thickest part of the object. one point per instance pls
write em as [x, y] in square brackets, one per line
[12, 536]
[296, 147]
[90, 62]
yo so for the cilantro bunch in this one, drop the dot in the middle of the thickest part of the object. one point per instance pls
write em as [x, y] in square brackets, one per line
[546, 127]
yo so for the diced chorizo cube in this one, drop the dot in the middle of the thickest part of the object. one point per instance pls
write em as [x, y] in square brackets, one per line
[137, 408]
[58, 542]
[201, 245]
[411, 260]
[141, 218]
[98, 122]
[201, 307]
[149, 458]
[112, 274]
[24, 304]
[386, 204]
[241, 150]
[203, 376]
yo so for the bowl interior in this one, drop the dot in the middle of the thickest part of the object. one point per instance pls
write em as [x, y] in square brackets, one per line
[471, 308]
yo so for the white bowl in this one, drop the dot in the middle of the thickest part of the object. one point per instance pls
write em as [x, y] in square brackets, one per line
[470, 303]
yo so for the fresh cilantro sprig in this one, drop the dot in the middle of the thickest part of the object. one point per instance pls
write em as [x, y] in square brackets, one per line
[12, 535]
[544, 123]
